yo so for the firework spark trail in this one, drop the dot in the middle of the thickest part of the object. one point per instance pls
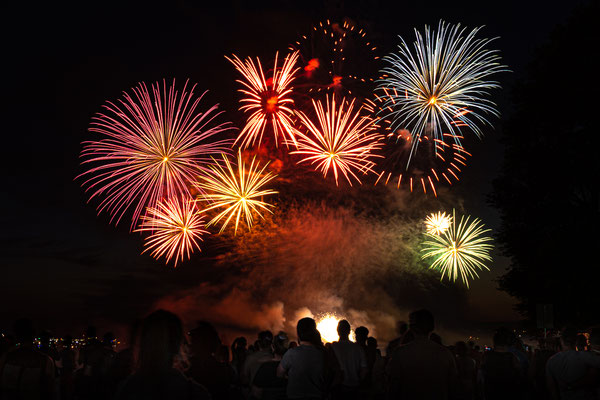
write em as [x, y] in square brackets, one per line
[236, 194]
[175, 227]
[460, 251]
[342, 141]
[442, 85]
[154, 144]
[267, 100]
[438, 223]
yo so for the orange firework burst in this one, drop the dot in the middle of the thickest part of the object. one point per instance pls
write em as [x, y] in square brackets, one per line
[235, 194]
[342, 141]
[175, 228]
[268, 101]
[433, 160]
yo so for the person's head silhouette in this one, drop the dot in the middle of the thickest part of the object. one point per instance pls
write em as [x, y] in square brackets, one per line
[362, 334]
[160, 342]
[343, 329]
[421, 322]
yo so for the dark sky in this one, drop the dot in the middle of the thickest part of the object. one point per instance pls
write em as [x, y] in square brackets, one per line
[62, 265]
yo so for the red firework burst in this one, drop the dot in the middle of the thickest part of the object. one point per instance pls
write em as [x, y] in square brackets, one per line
[268, 101]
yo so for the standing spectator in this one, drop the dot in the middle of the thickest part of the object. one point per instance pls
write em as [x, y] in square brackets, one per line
[467, 372]
[67, 360]
[309, 368]
[204, 368]
[263, 353]
[422, 369]
[25, 372]
[238, 355]
[567, 367]
[155, 378]
[500, 374]
[271, 386]
[537, 369]
[353, 363]
[401, 329]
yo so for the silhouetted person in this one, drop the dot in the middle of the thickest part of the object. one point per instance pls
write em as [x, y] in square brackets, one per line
[378, 372]
[422, 369]
[434, 337]
[238, 354]
[352, 361]
[401, 329]
[161, 338]
[216, 376]
[25, 372]
[67, 370]
[467, 372]
[500, 373]
[266, 380]
[537, 369]
[308, 367]
[565, 368]
[263, 353]
[124, 362]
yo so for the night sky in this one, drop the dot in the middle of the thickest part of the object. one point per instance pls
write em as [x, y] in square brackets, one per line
[64, 266]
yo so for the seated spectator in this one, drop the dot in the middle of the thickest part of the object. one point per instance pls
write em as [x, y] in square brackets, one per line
[421, 369]
[25, 372]
[353, 363]
[160, 342]
[500, 375]
[566, 368]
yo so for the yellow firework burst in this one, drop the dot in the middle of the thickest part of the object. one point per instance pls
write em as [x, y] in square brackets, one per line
[438, 223]
[460, 251]
[268, 101]
[175, 227]
[342, 141]
[234, 195]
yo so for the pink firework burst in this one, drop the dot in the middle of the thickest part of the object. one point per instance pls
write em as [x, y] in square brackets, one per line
[268, 101]
[342, 141]
[175, 227]
[154, 143]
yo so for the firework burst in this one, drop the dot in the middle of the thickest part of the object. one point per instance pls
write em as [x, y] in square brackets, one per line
[442, 85]
[438, 223]
[436, 161]
[234, 195]
[268, 101]
[341, 142]
[460, 251]
[175, 228]
[337, 57]
[154, 144]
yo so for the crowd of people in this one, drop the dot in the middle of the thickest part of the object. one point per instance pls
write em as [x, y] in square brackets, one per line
[164, 362]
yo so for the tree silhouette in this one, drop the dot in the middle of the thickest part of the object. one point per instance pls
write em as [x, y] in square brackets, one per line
[547, 192]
